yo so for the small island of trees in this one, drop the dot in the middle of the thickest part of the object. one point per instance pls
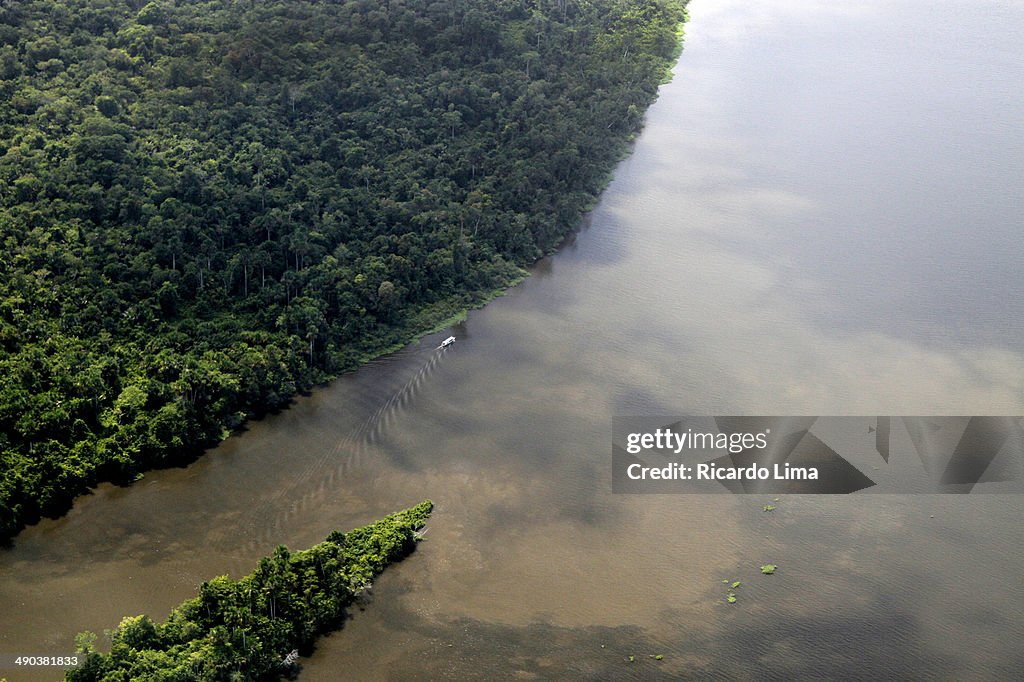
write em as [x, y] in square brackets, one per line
[246, 629]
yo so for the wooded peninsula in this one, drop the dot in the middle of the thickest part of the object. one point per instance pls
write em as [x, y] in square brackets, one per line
[207, 206]
[244, 629]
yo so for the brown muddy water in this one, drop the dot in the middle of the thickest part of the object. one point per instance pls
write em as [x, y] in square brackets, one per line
[822, 216]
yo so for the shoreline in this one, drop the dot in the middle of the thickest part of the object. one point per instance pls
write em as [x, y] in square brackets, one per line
[104, 462]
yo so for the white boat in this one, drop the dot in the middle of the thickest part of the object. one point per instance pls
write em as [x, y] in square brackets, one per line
[447, 342]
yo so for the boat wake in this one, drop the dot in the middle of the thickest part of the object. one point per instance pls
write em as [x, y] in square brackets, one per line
[307, 488]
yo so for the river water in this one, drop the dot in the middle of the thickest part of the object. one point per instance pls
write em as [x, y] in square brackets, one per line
[822, 216]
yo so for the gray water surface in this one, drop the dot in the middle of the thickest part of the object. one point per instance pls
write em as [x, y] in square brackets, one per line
[822, 216]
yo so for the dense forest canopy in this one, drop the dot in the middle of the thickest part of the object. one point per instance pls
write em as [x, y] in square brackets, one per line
[208, 205]
[244, 629]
